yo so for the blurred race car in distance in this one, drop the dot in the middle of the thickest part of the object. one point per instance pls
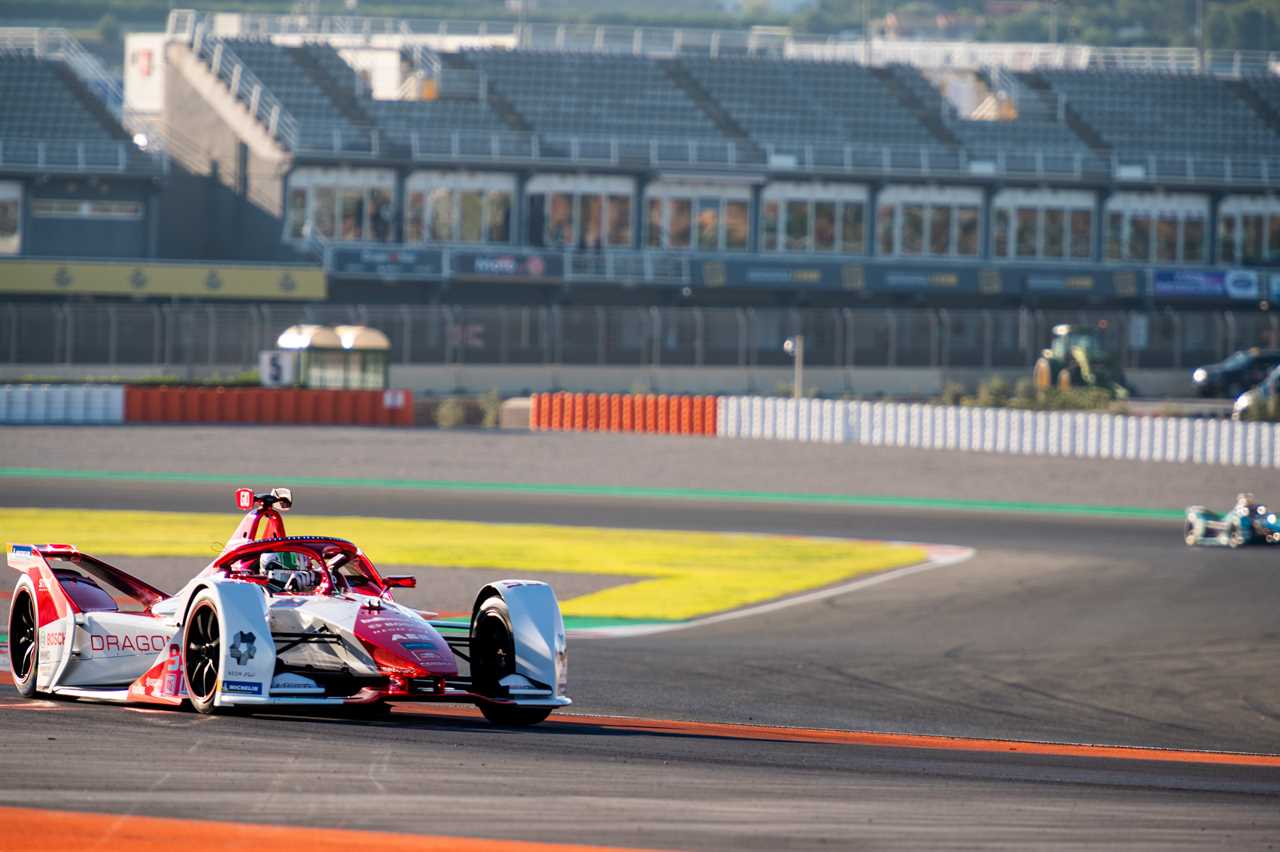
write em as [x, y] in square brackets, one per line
[277, 621]
[1248, 522]
[1235, 374]
[1258, 401]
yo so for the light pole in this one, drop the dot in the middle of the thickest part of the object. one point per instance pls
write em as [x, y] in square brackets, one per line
[794, 346]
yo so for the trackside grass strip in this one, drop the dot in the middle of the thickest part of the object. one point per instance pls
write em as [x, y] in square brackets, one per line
[570, 490]
[683, 575]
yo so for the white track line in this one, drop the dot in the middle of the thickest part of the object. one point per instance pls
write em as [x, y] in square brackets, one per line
[940, 556]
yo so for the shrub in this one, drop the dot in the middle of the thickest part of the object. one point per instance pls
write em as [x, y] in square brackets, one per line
[994, 393]
[450, 413]
[490, 409]
[952, 394]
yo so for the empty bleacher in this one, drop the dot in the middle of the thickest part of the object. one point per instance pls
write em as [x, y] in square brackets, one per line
[318, 116]
[793, 101]
[43, 100]
[1165, 113]
[584, 94]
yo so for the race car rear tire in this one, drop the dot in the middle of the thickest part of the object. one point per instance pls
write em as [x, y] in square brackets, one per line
[514, 717]
[1195, 530]
[24, 643]
[202, 653]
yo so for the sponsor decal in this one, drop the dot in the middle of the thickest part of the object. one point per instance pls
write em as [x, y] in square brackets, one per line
[919, 280]
[423, 652]
[242, 648]
[173, 672]
[1059, 282]
[241, 687]
[1189, 284]
[109, 643]
[53, 638]
[292, 681]
[777, 275]
[532, 266]
[1243, 284]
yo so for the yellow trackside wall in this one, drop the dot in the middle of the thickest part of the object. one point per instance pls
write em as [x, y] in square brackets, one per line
[182, 280]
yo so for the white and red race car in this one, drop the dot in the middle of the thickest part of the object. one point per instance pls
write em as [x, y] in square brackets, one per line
[277, 621]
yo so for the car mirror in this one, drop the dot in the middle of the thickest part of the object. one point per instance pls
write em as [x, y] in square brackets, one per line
[401, 581]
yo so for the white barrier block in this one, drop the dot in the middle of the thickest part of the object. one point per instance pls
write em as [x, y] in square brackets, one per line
[866, 424]
[877, 423]
[78, 403]
[39, 410]
[757, 417]
[20, 404]
[853, 413]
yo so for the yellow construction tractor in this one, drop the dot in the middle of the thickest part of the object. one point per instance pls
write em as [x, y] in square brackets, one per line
[1076, 358]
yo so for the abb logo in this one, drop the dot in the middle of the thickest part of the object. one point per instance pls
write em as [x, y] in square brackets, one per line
[130, 644]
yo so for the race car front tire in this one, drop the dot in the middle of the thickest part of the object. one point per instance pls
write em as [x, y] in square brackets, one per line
[1235, 535]
[202, 653]
[24, 643]
[493, 657]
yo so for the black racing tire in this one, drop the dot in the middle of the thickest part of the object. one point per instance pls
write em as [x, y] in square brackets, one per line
[202, 653]
[1194, 531]
[493, 657]
[511, 716]
[493, 651]
[24, 643]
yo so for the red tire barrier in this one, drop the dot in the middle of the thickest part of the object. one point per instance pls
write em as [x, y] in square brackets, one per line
[579, 412]
[536, 402]
[628, 419]
[593, 412]
[615, 412]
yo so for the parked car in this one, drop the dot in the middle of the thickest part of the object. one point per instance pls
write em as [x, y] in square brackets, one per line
[1234, 375]
[1257, 398]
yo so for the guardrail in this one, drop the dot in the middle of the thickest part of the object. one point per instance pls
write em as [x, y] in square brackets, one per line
[1063, 434]
[514, 148]
[670, 41]
[44, 156]
[243, 85]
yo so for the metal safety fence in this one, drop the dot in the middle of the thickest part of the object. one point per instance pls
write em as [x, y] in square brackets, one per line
[226, 336]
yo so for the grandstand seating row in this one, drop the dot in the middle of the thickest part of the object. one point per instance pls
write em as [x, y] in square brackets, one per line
[776, 103]
[39, 102]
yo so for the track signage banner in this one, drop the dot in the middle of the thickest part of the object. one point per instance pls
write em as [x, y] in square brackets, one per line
[1189, 284]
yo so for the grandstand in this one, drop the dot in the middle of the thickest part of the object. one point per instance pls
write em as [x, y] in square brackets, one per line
[717, 163]
[60, 124]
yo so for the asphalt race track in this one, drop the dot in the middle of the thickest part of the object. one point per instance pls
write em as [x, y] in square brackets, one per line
[1060, 629]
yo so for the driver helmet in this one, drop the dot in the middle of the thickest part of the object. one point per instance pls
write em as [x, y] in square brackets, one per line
[287, 570]
[1246, 503]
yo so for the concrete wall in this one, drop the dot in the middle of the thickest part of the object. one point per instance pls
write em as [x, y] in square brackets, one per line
[213, 136]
